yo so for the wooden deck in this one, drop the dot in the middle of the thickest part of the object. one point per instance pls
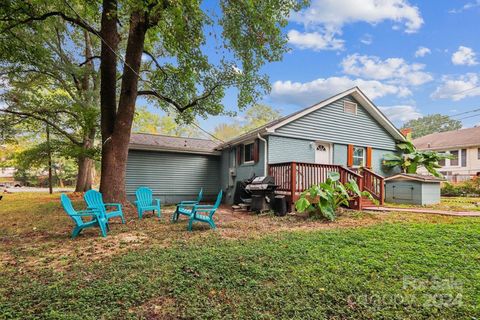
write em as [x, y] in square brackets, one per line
[293, 178]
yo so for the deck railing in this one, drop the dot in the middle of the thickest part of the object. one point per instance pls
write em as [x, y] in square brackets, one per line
[374, 184]
[295, 177]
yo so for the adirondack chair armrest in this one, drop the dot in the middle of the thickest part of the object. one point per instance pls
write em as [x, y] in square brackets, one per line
[181, 204]
[188, 202]
[157, 201]
[204, 206]
[118, 205]
[86, 213]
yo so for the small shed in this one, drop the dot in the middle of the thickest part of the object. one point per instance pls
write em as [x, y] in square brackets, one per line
[412, 189]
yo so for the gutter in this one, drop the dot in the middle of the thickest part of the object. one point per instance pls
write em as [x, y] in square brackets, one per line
[265, 160]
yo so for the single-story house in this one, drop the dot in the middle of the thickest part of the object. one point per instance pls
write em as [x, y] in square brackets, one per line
[341, 133]
[462, 144]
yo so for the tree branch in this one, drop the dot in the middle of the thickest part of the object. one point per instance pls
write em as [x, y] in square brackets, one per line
[179, 107]
[75, 21]
[157, 64]
[88, 60]
[37, 117]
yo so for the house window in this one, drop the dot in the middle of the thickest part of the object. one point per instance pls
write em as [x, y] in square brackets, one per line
[358, 156]
[464, 157]
[248, 152]
[454, 161]
[478, 153]
[349, 107]
[441, 162]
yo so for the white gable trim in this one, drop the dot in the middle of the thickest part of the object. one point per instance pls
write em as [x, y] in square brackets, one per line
[361, 98]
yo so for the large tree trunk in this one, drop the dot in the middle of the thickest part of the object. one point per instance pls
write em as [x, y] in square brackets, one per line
[116, 134]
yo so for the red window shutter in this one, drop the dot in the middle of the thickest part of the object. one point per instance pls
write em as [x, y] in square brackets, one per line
[369, 158]
[350, 155]
[239, 155]
[256, 151]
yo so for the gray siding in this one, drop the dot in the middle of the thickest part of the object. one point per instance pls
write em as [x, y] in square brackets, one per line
[244, 171]
[332, 124]
[173, 176]
[285, 149]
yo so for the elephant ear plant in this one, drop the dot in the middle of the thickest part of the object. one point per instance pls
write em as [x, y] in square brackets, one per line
[411, 159]
[325, 199]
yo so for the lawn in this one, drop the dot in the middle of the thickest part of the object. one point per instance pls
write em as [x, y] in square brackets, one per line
[446, 203]
[363, 266]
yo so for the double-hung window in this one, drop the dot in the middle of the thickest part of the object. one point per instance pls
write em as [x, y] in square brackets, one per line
[248, 152]
[358, 156]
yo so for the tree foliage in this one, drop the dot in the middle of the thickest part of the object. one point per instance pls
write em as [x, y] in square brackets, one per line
[411, 159]
[431, 124]
[149, 122]
[255, 116]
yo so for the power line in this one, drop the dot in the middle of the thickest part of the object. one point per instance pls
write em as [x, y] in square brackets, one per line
[470, 111]
[136, 73]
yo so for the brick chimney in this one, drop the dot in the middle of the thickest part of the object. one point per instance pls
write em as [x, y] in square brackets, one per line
[407, 132]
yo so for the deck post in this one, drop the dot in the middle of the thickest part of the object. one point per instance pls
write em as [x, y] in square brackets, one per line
[382, 192]
[293, 182]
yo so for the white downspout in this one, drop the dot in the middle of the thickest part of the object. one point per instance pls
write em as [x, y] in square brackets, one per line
[265, 160]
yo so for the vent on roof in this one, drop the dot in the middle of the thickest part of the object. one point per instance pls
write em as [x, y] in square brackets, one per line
[349, 107]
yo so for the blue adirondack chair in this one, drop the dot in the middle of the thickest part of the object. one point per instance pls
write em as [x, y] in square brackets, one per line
[145, 202]
[204, 213]
[185, 207]
[94, 200]
[97, 217]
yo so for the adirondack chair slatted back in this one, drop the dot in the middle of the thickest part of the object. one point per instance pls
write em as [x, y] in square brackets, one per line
[217, 203]
[144, 196]
[200, 195]
[93, 198]
[68, 207]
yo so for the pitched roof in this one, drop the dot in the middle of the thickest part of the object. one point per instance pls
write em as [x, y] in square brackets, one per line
[355, 92]
[449, 139]
[416, 177]
[147, 141]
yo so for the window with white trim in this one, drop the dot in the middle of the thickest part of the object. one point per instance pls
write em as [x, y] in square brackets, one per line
[358, 156]
[454, 160]
[248, 152]
[349, 107]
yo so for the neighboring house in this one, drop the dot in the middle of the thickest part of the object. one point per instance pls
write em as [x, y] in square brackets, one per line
[463, 145]
[341, 133]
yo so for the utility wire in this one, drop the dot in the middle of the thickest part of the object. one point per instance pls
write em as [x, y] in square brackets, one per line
[120, 57]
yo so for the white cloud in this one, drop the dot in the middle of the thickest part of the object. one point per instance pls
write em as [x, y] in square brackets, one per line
[467, 6]
[304, 93]
[366, 39]
[401, 113]
[323, 20]
[395, 70]
[422, 52]
[458, 88]
[464, 56]
[314, 40]
[334, 14]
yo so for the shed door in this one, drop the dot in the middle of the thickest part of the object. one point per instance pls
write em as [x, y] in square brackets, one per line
[403, 192]
[322, 153]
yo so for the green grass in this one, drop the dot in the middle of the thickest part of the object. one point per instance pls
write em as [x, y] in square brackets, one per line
[402, 267]
[447, 203]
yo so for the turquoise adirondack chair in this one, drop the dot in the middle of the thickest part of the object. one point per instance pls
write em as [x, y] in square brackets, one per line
[204, 213]
[145, 202]
[98, 219]
[94, 200]
[185, 207]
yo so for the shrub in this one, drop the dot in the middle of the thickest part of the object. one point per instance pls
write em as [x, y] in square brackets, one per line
[325, 198]
[466, 188]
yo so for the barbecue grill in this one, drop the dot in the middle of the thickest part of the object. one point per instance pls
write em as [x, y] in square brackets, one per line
[263, 191]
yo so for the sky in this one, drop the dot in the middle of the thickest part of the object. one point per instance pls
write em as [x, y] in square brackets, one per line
[412, 58]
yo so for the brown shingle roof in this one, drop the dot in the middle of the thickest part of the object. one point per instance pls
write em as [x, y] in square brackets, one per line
[450, 139]
[146, 141]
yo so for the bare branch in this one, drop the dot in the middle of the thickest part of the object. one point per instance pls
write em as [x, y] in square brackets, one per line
[88, 60]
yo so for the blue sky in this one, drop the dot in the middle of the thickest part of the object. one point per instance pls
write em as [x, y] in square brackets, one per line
[412, 58]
